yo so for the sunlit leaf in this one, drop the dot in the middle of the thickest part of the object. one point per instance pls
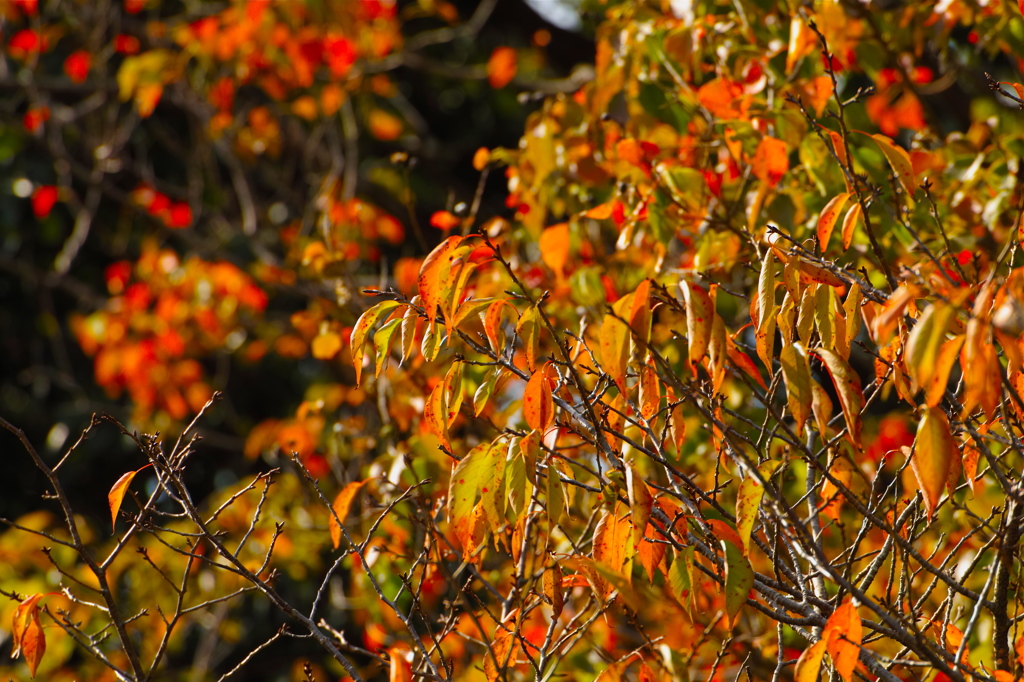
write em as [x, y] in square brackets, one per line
[829, 215]
[748, 501]
[431, 283]
[538, 400]
[796, 370]
[554, 247]
[341, 506]
[847, 384]
[809, 663]
[771, 160]
[117, 493]
[467, 480]
[934, 449]
[699, 317]
[899, 160]
[362, 328]
[843, 635]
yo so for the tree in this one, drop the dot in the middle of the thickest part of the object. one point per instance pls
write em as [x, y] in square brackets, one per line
[730, 385]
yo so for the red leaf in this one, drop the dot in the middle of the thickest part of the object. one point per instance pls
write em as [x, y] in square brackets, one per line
[43, 199]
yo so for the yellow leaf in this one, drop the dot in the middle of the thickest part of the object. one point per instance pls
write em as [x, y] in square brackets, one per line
[809, 663]
[922, 346]
[699, 317]
[796, 370]
[933, 452]
[325, 346]
[748, 501]
[899, 160]
[365, 322]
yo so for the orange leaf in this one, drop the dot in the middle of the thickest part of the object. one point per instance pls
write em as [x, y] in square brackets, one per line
[850, 224]
[27, 633]
[117, 493]
[444, 220]
[829, 216]
[430, 284]
[771, 160]
[538, 401]
[481, 158]
[401, 671]
[502, 66]
[554, 247]
[843, 632]
[342, 506]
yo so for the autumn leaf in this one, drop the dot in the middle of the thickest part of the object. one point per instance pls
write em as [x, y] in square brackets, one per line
[341, 507]
[118, 491]
[748, 501]
[934, 450]
[809, 663]
[538, 400]
[468, 478]
[829, 215]
[850, 224]
[898, 159]
[501, 67]
[699, 316]
[27, 633]
[771, 160]
[431, 283]
[796, 370]
[847, 384]
[554, 247]
[739, 580]
[843, 633]
[615, 337]
[366, 321]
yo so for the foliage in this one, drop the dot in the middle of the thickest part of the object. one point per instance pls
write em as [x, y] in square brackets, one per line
[731, 386]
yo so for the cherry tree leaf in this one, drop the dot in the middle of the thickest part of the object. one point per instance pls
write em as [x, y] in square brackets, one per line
[934, 449]
[431, 282]
[366, 322]
[899, 159]
[699, 317]
[554, 247]
[538, 400]
[843, 634]
[809, 664]
[341, 507]
[117, 493]
[829, 215]
[748, 501]
[850, 224]
[851, 396]
[796, 370]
